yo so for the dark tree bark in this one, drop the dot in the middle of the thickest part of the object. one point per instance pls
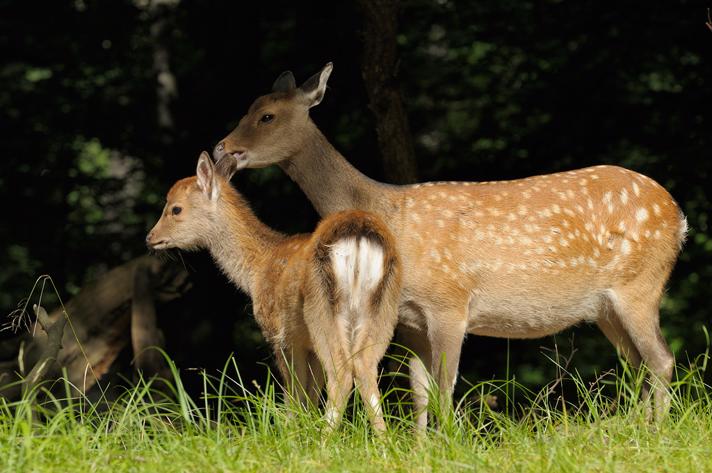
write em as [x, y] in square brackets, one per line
[380, 69]
[160, 12]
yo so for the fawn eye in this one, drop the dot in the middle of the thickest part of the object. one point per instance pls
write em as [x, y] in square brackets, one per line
[266, 118]
[176, 210]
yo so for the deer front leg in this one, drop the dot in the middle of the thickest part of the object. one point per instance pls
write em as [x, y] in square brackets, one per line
[418, 346]
[315, 379]
[293, 368]
[446, 335]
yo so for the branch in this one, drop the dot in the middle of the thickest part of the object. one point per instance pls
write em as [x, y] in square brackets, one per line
[50, 354]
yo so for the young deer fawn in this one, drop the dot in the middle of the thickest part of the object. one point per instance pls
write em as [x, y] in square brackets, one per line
[327, 300]
[517, 259]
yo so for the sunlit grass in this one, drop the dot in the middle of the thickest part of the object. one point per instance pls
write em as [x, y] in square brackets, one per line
[241, 427]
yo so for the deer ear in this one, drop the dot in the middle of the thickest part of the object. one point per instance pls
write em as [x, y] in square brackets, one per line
[315, 87]
[285, 82]
[205, 172]
[227, 166]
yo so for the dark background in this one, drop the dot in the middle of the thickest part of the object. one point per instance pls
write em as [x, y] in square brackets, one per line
[492, 89]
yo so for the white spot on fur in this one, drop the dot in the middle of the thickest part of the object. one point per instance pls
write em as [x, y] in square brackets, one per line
[624, 196]
[641, 215]
[435, 255]
[544, 213]
[636, 189]
[625, 247]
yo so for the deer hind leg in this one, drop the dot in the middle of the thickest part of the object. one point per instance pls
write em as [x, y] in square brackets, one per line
[328, 344]
[611, 326]
[609, 323]
[368, 348]
[640, 318]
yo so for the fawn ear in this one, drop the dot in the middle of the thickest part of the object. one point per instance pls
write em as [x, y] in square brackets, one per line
[315, 87]
[205, 173]
[285, 82]
[227, 166]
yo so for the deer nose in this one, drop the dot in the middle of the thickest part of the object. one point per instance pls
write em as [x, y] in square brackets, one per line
[219, 151]
[149, 237]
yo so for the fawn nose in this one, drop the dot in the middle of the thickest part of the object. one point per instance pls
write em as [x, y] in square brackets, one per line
[148, 239]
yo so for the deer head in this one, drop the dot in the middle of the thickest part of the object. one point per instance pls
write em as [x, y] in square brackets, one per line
[276, 124]
[190, 206]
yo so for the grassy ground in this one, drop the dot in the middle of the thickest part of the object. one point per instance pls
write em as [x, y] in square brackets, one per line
[236, 430]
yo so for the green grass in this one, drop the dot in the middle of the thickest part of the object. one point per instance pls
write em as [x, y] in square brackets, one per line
[600, 428]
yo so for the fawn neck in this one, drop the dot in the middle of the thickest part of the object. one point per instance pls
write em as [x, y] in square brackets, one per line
[330, 182]
[239, 240]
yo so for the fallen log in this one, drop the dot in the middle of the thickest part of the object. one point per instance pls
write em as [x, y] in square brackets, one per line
[107, 315]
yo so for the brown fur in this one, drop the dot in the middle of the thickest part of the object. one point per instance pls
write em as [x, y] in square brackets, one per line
[518, 259]
[298, 301]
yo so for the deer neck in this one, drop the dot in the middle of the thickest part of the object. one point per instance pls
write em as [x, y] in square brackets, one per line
[330, 182]
[240, 241]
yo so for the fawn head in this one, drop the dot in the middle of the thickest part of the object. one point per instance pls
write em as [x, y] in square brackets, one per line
[190, 207]
[276, 124]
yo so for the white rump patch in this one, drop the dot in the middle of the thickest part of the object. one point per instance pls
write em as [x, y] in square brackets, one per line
[358, 268]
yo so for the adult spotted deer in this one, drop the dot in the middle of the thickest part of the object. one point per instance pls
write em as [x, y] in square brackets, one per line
[518, 259]
[327, 300]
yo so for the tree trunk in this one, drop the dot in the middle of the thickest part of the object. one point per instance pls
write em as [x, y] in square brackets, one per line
[380, 70]
[166, 84]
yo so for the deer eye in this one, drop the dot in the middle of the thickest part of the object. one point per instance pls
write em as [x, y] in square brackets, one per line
[176, 210]
[266, 118]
